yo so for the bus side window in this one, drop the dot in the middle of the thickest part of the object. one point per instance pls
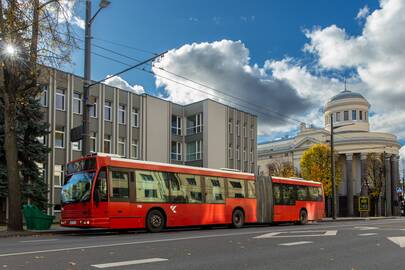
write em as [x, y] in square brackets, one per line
[315, 193]
[119, 184]
[101, 186]
[289, 194]
[251, 188]
[151, 186]
[236, 188]
[277, 194]
[177, 192]
[191, 187]
[215, 190]
[302, 193]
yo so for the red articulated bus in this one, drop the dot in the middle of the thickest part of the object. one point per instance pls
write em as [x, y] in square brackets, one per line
[105, 191]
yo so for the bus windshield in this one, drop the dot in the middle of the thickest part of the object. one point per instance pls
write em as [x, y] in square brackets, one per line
[78, 188]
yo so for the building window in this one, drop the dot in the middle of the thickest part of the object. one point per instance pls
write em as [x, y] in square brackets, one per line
[43, 98]
[230, 126]
[77, 103]
[360, 115]
[354, 115]
[135, 118]
[244, 154]
[237, 128]
[230, 155]
[237, 153]
[245, 131]
[58, 176]
[121, 114]
[93, 142]
[134, 149]
[107, 144]
[251, 155]
[176, 125]
[121, 146]
[107, 110]
[345, 115]
[59, 137]
[194, 150]
[93, 109]
[176, 151]
[194, 124]
[77, 146]
[252, 128]
[337, 117]
[60, 99]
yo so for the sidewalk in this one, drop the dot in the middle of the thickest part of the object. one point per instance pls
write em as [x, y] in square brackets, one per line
[329, 219]
[55, 229]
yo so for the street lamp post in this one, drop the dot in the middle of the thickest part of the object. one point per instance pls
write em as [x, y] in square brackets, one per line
[87, 74]
[332, 161]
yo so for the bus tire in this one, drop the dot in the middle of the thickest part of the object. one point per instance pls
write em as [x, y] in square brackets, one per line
[155, 221]
[303, 217]
[238, 218]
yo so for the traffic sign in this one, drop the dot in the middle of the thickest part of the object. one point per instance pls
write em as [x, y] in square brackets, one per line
[364, 204]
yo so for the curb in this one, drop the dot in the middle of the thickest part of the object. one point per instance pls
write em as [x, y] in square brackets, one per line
[357, 219]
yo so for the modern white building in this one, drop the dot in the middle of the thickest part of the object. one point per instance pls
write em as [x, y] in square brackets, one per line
[353, 141]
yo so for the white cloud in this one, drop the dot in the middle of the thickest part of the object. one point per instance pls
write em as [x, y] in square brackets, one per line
[363, 13]
[65, 10]
[224, 66]
[119, 82]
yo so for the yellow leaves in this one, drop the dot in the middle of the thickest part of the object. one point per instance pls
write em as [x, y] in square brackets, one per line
[316, 166]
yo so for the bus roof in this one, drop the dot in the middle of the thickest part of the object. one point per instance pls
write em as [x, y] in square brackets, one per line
[295, 180]
[151, 165]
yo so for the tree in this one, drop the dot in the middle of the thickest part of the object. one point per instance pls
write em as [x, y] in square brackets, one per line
[31, 152]
[375, 174]
[281, 168]
[316, 165]
[32, 33]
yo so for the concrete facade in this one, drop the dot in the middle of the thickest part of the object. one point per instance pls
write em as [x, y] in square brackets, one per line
[205, 133]
[353, 141]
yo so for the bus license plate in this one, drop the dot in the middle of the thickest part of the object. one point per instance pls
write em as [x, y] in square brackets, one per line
[72, 222]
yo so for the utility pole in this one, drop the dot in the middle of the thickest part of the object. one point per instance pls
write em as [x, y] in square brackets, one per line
[87, 74]
[332, 161]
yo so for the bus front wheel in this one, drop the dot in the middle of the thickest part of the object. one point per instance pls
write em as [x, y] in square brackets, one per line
[238, 218]
[303, 217]
[155, 221]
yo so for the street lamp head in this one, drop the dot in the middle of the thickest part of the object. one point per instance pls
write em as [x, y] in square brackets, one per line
[104, 3]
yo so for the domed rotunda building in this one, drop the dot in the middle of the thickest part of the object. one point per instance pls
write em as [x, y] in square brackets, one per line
[353, 141]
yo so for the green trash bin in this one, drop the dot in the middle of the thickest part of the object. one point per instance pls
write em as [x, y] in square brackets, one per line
[35, 219]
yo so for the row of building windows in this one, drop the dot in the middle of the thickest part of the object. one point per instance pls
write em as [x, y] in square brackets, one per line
[194, 151]
[344, 116]
[77, 146]
[237, 126]
[194, 124]
[77, 107]
[238, 153]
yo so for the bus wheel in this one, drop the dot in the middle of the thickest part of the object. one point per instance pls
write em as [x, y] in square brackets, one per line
[238, 218]
[155, 221]
[303, 217]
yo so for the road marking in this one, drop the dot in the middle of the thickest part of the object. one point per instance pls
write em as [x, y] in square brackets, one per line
[35, 241]
[394, 221]
[296, 243]
[367, 234]
[296, 234]
[400, 240]
[126, 263]
[365, 228]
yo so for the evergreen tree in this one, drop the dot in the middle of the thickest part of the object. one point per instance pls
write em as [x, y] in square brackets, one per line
[31, 152]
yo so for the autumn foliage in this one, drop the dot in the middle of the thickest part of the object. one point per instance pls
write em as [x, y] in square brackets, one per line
[316, 165]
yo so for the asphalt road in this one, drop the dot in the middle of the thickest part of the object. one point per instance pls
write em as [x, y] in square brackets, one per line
[352, 245]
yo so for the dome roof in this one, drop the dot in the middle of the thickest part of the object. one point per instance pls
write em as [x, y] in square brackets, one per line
[346, 94]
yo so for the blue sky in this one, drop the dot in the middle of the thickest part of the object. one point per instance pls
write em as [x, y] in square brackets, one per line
[270, 29]
[285, 57]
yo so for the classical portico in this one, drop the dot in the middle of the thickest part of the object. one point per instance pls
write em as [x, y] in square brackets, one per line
[353, 143]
